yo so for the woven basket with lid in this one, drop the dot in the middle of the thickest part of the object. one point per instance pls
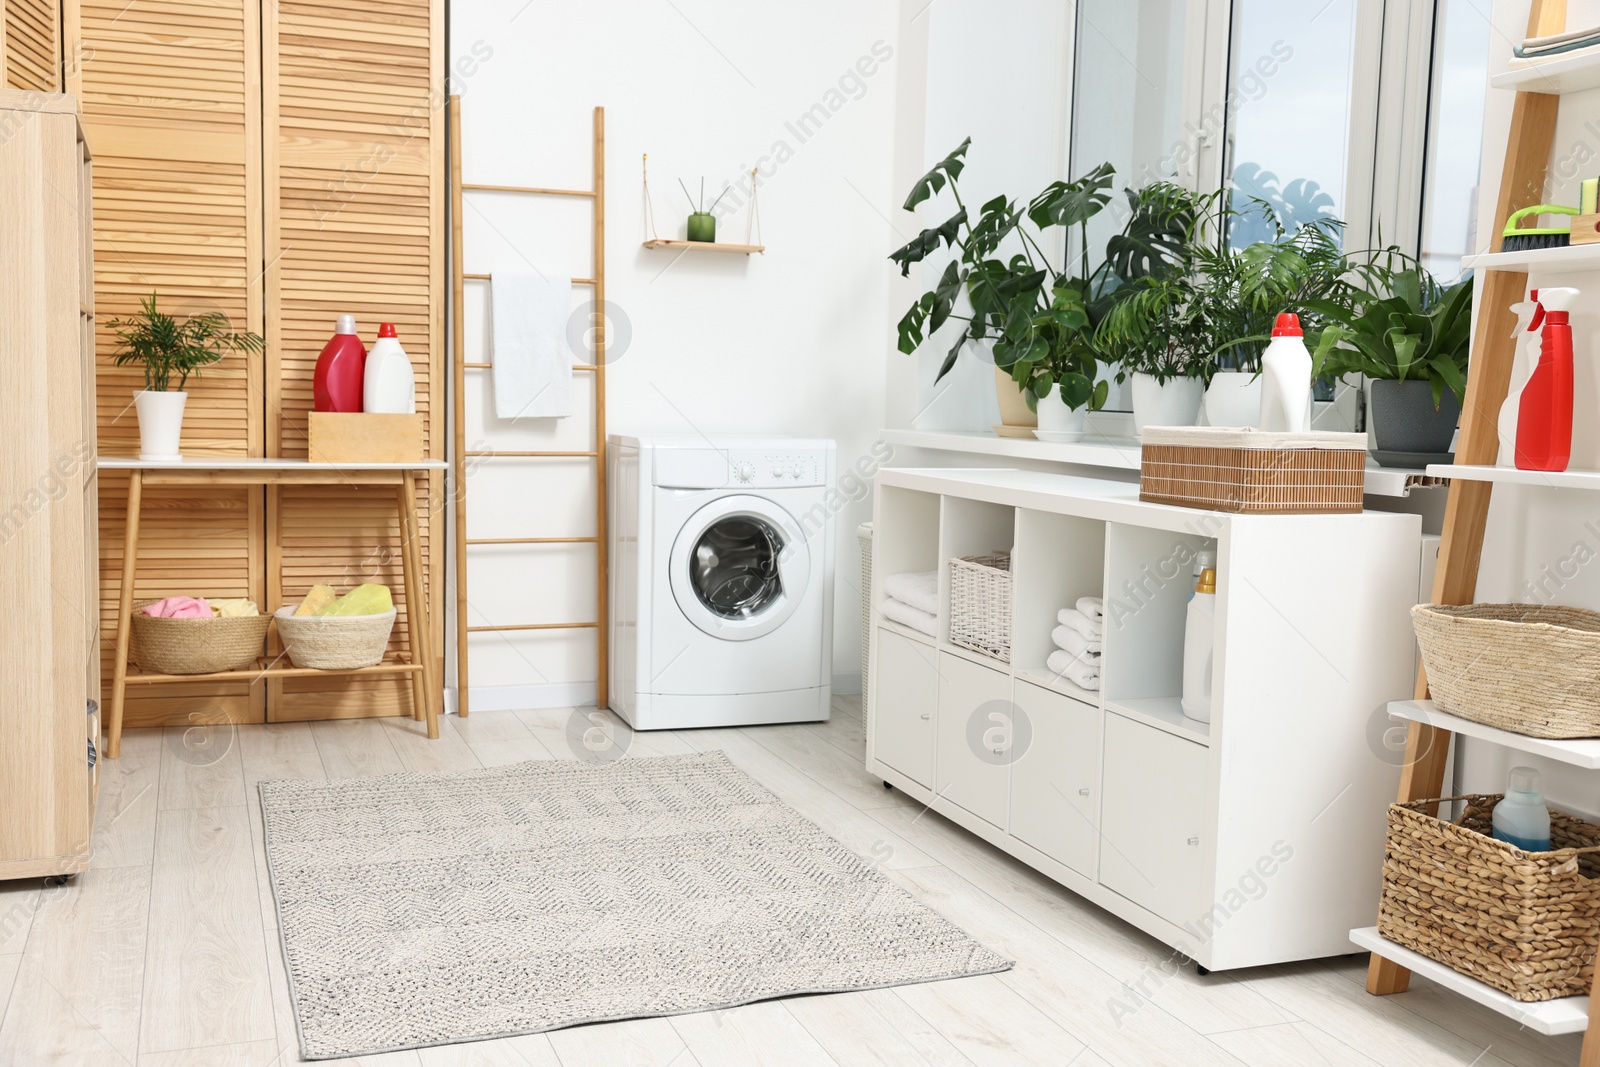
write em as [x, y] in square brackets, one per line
[1525, 923]
[1531, 668]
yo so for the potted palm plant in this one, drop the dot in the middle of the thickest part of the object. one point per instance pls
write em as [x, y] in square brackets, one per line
[171, 349]
[1036, 318]
[1410, 337]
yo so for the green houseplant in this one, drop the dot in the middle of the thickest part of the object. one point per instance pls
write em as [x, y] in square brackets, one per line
[1037, 317]
[1410, 337]
[168, 348]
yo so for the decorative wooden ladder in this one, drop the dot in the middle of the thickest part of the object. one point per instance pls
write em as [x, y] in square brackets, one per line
[1522, 182]
[458, 279]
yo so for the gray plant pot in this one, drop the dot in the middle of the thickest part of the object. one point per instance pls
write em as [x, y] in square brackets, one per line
[1402, 422]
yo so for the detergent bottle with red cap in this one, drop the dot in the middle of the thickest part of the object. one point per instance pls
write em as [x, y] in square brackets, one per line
[1544, 413]
[391, 387]
[340, 379]
[1286, 378]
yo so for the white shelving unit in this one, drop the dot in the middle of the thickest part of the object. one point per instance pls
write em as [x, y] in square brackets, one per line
[1570, 72]
[1254, 839]
[1513, 476]
[1116, 454]
[1571, 259]
[1568, 1015]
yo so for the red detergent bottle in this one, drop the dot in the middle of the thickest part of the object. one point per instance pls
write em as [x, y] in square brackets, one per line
[1544, 414]
[341, 370]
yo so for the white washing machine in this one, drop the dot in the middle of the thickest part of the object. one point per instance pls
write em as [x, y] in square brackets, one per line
[721, 562]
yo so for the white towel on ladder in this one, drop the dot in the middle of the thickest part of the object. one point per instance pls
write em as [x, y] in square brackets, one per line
[528, 343]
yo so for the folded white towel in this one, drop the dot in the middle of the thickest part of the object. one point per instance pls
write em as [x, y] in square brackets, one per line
[1081, 674]
[1093, 607]
[1080, 622]
[920, 589]
[906, 615]
[532, 360]
[1075, 644]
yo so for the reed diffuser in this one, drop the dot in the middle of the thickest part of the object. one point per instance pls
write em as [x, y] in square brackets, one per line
[702, 223]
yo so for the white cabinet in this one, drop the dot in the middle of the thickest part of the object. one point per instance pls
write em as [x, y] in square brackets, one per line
[975, 733]
[1055, 778]
[904, 720]
[1153, 820]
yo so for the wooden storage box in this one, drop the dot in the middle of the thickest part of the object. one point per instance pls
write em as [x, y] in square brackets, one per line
[1252, 471]
[363, 437]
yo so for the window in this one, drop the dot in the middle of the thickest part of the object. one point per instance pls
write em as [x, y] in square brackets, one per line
[1455, 136]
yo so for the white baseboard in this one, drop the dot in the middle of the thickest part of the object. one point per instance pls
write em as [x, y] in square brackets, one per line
[847, 684]
[520, 697]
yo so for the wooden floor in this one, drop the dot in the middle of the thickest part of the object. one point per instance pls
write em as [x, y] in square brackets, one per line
[166, 953]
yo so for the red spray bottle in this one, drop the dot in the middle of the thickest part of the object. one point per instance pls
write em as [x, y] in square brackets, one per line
[1544, 415]
[341, 370]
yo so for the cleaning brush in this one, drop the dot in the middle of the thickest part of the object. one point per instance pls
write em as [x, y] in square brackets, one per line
[1526, 240]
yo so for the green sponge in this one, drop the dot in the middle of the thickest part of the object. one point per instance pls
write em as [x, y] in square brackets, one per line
[369, 599]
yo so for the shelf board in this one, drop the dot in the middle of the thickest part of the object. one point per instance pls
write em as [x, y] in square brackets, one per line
[1045, 678]
[1568, 72]
[264, 671]
[1513, 476]
[1569, 1015]
[707, 246]
[905, 631]
[1582, 752]
[1569, 259]
[1164, 713]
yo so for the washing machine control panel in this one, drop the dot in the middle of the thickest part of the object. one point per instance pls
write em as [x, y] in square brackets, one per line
[772, 470]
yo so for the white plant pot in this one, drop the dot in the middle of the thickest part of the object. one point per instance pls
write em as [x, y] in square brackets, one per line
[1057, 422]
[1174, 402]
[1234, 399]
[160, 423]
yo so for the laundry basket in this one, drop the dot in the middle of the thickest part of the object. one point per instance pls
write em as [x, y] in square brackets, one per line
[864, 538]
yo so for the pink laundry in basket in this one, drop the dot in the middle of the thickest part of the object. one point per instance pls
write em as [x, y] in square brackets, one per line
[179, 607]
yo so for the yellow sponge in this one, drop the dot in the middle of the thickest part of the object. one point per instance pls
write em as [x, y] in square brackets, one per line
[319, 597]
[369, 599]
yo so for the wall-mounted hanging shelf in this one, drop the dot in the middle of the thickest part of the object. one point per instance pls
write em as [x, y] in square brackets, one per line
[706, 246]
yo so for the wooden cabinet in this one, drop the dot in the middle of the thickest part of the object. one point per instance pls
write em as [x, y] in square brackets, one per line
[974, 737]
[1055, 777]
[1153, 823]
[904, 723]
[48, 570]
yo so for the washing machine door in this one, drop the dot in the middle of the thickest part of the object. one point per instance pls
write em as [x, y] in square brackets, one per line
[739, 567]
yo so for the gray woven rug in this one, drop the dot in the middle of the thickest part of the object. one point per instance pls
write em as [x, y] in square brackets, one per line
[425, 909]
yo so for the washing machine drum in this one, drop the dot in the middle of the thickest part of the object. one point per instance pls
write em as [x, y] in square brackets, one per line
[739, 567]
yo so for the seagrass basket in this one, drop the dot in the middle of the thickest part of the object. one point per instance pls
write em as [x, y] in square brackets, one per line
[194, 646]
[1251, 471]
[334, 642]
[1530, 668]
[1525, 923]
[980, 604]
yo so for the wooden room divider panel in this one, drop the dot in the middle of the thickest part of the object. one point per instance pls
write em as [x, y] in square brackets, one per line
[170, 98]
[355, 189]
[30, 52]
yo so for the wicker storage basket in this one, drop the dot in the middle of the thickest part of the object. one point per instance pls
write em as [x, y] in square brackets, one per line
[1245, 470]
[1525, 923]
[194, 646]
[1525, 667]
[980, 604]
[334, 642]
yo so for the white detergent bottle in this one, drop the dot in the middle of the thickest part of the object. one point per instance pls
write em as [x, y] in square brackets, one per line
[1521, 818]
[1286, 378]
[1197, 633]
[1530, 316]
[389, 385]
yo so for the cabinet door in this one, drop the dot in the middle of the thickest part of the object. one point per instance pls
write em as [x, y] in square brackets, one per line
[903, 704]
[1055, 779]
[1152, 819]
[975, 735]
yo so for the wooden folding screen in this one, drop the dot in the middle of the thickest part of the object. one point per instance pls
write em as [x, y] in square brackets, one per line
[30, 53]
[281, 161]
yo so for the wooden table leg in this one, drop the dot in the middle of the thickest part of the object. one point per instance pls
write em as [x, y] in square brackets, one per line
[419, 683]
[416, 597]
[130, 553]
[1590, 1056]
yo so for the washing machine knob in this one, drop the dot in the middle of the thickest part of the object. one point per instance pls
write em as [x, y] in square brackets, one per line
[744, 472]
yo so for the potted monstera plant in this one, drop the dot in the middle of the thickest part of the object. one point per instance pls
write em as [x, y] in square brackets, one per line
[1035, 316]
[1410, 337]
[169, 349]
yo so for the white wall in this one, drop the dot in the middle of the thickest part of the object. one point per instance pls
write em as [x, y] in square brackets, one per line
[791, 342]
[1549, 538]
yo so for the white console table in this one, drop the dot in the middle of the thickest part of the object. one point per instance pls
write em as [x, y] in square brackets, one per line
[1253, 840]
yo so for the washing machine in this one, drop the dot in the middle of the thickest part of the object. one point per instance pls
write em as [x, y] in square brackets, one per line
[721, 564]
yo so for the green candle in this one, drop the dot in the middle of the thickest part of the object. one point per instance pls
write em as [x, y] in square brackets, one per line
[703, 227]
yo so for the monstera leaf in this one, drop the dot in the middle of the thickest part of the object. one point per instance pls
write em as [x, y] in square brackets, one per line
[948, 167]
